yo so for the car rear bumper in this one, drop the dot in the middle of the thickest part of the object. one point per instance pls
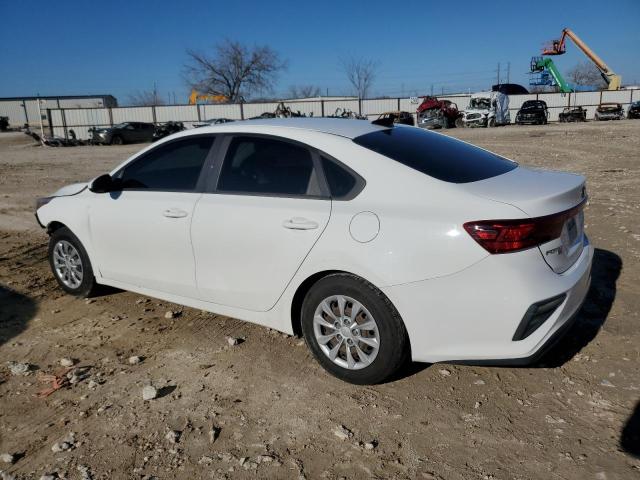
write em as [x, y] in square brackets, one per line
[472, 316]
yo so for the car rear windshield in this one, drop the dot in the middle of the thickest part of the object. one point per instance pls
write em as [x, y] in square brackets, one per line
[436, 155]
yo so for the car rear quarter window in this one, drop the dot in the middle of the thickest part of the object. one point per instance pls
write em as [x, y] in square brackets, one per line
[261, 165]
[436, 155]
[343, 185]
[174, 166]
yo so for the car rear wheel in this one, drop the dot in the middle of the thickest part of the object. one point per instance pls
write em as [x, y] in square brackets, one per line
[353, 330]
[70, 263]
[117, 140]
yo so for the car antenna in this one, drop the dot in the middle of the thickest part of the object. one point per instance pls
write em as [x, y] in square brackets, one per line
[386, 121]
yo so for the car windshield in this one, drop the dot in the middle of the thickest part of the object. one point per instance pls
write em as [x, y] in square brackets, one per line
[436, 155]
[480, 103]
[121, 125]
[533, 104]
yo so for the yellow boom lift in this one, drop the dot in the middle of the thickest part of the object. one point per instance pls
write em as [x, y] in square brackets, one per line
[558, 47]
[196, 97]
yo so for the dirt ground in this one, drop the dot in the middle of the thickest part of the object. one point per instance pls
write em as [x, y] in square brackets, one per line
[265, 409]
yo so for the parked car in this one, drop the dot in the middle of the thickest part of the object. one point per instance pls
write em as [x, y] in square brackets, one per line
[166, 129]
[4, 124]
[609, 111]
[573, 114]
[634, 110]
[435, 113]
[486, 109]
[533, 111]
[404, 118]
[510, 89]
[375, 243]
[127, 132]
[212, 121]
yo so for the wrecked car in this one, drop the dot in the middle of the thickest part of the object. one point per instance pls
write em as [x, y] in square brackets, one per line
[212, 121]
[404, 118]
[167, 129]
[573, 114]
[435, 113]
[609, 111]
[486, 109]
[126, 132]
[634, 110]
[534, 112]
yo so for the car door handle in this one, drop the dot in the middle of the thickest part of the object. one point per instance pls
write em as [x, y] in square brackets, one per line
[174, 213]
[299, 223]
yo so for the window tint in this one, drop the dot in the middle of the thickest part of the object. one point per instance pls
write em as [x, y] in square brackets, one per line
[175, 166]
[340, 181]
[436, 155]
[264, 165]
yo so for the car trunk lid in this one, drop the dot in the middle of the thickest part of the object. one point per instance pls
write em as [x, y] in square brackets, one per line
[549, 198]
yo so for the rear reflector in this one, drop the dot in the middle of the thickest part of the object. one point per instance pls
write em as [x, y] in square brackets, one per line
[505, 236]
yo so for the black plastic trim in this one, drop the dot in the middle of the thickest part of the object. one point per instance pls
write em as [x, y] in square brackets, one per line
[538, 312]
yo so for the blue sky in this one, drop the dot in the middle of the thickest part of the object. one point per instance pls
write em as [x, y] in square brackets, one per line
[118, 47]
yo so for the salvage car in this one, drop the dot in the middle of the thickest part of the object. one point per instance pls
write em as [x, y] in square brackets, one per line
[573, 114]
[435, 113]
[533, 111]
[127, 132]
[634, 110]
[486, 109]
[403, 118]
[212, 121]
[167, 129]
[609, 111]
[374, 242]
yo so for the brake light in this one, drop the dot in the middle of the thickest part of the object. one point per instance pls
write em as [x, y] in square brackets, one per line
[505, 236]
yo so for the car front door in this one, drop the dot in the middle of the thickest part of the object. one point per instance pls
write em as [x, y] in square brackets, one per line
[140, 233]
[251, 233]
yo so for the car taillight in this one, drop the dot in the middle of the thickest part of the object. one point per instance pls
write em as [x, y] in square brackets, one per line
[505, 236]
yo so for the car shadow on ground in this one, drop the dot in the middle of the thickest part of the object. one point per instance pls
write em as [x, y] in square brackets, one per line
[16, 310]
[593, 314]
[630, 437]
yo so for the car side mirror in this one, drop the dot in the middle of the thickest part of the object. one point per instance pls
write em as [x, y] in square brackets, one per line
[103, 184]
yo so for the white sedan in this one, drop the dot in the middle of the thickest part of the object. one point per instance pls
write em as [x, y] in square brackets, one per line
[377, 243]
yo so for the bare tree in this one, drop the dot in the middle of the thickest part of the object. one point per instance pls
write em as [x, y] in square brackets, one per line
[304, 91]
[233, 70]
[360, 72]
[586, 74]
[145, 98]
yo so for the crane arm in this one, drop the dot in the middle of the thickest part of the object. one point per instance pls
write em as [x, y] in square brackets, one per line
[557, 76]
[558, 48]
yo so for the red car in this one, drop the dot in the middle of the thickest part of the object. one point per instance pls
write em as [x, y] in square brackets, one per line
[434, 113]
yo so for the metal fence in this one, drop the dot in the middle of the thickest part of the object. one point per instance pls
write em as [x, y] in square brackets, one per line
[61, 120]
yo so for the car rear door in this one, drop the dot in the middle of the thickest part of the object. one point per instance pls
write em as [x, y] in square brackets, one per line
[141, 233]
[266, 209]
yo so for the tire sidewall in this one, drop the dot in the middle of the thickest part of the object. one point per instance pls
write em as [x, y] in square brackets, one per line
[392, 351]
[88, 280]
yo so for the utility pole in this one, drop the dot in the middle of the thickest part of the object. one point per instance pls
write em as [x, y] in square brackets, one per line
[432, 89]
[498, 73]
[508, 70]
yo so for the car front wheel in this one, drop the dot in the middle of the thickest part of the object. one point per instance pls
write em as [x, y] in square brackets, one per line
[70, 263]
[353, 330]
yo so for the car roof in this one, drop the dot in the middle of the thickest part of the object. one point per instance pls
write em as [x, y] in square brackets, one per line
[335, 126]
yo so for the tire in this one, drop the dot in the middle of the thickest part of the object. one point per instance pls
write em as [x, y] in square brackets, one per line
[491, 122]
[459, 123]
[117, 140]
[63, 246]
[388, 334]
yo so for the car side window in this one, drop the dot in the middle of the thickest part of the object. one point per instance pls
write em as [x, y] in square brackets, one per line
[175, 166]
[341, 182]
[267, 166]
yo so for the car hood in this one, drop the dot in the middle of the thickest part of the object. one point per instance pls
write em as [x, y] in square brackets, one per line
[72, 189]
[482, 111]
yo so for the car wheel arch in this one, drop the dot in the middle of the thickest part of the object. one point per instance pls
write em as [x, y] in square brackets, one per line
[55, 225]
[305, 286]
